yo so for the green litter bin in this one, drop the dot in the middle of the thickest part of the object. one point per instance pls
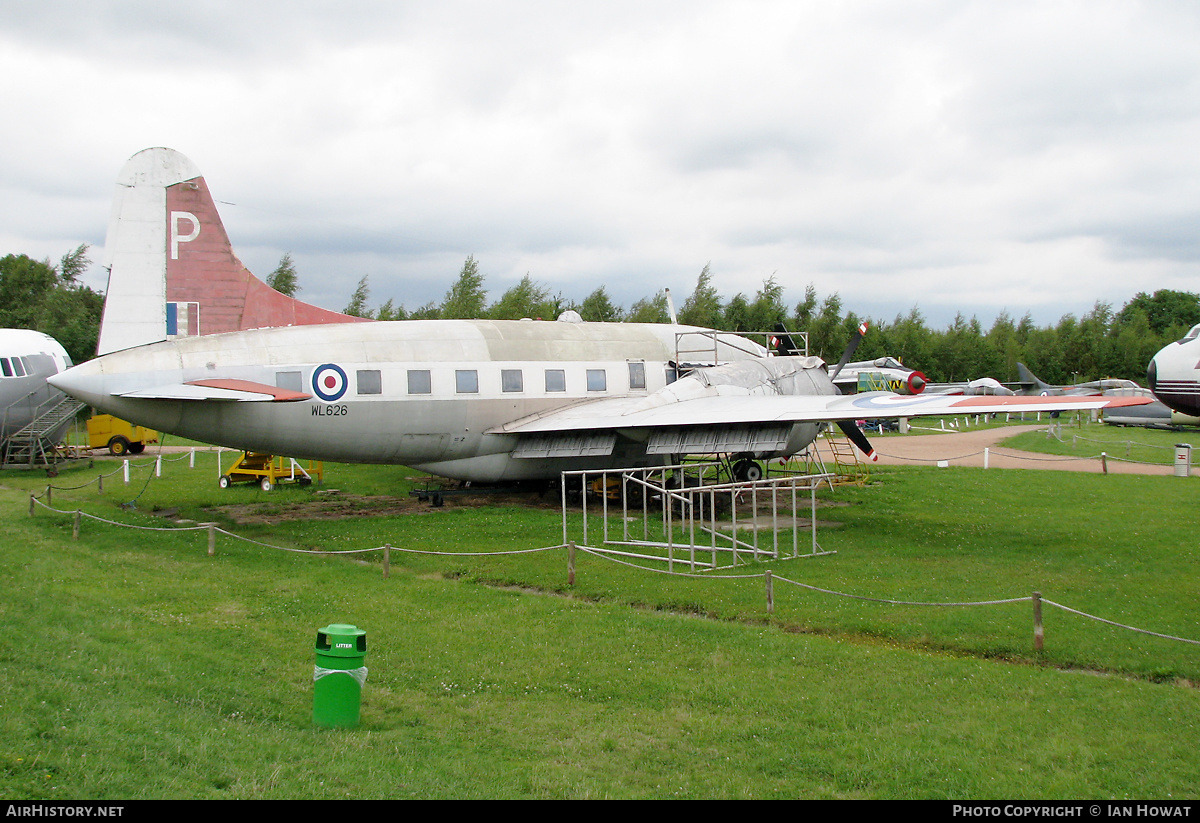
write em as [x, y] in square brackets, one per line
[339, 675]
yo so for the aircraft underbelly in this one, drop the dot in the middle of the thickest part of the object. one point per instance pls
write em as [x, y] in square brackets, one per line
[379, 431]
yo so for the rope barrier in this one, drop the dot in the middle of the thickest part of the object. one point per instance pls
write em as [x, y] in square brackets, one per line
[605, 556]
[1119, 625]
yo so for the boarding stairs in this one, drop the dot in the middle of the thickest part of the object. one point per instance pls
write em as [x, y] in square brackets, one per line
[36, 443]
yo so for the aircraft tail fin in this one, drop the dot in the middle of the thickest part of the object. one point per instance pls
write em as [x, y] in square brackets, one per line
[172, 270]
[1028, 379]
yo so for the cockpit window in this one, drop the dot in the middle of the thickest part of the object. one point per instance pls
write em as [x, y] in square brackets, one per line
[1193, 334]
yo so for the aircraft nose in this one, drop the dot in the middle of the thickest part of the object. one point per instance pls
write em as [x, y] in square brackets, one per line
[77, 383]
[1152, 374]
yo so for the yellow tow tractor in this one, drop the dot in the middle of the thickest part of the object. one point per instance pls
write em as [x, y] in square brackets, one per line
[269, 471]
[119, 437]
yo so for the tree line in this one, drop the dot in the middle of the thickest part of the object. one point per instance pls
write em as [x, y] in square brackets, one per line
[1102, 343]
[48, 297]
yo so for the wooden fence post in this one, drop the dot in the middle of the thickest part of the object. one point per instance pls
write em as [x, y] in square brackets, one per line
[387, 560]
[75, 527]
[770, 593]
[571, 563]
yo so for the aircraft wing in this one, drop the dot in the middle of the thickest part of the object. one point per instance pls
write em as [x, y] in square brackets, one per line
[742, 410]
[229, 390]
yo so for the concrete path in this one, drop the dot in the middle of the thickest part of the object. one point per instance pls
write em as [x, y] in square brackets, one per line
[965, 448]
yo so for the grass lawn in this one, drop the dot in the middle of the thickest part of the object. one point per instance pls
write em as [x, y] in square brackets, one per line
[133, 665]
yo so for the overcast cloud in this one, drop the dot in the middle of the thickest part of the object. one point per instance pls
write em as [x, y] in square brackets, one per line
[975, 157]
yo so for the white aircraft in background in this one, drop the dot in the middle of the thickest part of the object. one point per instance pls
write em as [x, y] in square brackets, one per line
[476, 400]
[1174, 377]
[27, 358]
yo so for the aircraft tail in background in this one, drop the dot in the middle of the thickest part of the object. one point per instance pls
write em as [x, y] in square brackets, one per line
[172, 270]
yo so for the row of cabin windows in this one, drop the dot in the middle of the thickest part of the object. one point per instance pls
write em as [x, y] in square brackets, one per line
[14, 367]
[466, 381]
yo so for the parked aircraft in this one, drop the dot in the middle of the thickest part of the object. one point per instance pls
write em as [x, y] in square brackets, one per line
[889, 374]
[478, 400]
[1155, 415]
[1031, 384]
[1174, 374]
[27, 358]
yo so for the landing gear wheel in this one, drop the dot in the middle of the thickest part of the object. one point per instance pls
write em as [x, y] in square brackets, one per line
[266, 484]
[224, 481]
[747, 471]
[137, 448]
[118, 446]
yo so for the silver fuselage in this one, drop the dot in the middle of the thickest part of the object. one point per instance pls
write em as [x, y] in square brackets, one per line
[426, 394]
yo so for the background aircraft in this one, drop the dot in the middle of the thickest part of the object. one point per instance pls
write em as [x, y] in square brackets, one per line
[478, 400]
[1032, 385]
[1174, 374]
[27, 358]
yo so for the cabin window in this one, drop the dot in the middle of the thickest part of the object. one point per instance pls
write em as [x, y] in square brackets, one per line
[672, 374]
[512, 380]
[597, 380]
[18, 366]
[418, 381]
[289, 380]
[5, 367]
[370, 381]
[466, 381]
[556, 380]
[637, 375]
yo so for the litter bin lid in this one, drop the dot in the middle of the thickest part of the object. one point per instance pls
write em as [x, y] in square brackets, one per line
[341, 639]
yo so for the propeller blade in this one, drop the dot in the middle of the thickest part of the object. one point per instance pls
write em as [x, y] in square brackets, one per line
[782, 341]
[854, 341]
[855, 435]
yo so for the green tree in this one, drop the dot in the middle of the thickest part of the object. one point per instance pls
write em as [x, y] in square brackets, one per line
[467, 299]
[736, 316]
[650, 310]
[284, 279]
[826, 337]
[48, 298]
[703, 306]
[803, 316]
[390, 312]
[1165, 310]
[768, 309]
[526, 299]
[357, 307]
[598, 308]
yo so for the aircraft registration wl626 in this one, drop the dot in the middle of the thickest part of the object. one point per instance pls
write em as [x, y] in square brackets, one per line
[478, 400]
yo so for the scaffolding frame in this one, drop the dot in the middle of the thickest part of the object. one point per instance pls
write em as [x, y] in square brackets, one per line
[681, 502]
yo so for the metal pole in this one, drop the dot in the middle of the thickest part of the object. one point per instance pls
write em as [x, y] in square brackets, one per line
[1038, 631]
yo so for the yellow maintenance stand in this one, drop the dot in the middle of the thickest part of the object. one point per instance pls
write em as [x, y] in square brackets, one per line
[269, 471]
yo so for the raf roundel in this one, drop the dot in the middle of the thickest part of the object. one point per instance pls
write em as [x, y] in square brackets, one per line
[329, 382]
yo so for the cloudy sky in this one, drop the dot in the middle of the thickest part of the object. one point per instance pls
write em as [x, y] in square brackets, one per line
[954, 156]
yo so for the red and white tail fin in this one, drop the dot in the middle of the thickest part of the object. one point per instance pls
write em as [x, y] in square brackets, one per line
[172, 270]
